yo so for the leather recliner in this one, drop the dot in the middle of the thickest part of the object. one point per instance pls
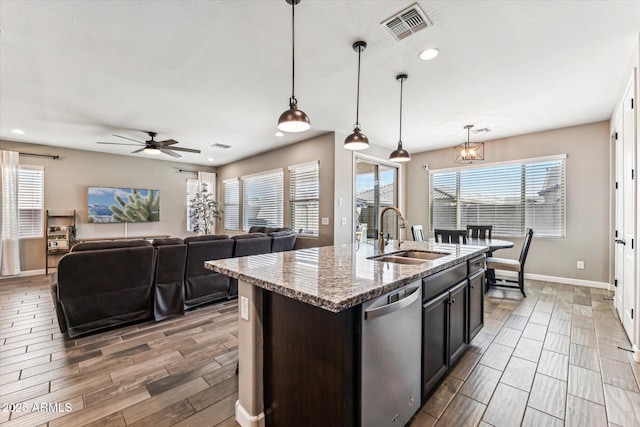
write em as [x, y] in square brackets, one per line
[203, 285]
[168, 282]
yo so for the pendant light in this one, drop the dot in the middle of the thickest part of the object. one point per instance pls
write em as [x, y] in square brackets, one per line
[293, 120]
[400, 154]
[468, 152]
[357, 140]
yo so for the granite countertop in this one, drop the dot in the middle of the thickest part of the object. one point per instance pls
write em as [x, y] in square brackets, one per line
[336, 278]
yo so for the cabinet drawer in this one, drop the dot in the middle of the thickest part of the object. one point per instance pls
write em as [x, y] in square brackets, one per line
[476, 264]
[435, 284]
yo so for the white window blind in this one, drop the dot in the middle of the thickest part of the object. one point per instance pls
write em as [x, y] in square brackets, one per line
[192, 189]
[30, 202]
[511, 197]
[304, 198]
[231, 204]
[262, 200]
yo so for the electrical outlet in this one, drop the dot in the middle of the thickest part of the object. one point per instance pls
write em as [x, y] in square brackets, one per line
[580, 265]
[244, 308]
[344, 221]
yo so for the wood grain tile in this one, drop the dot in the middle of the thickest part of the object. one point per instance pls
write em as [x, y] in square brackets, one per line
[481, 383]
[556, 342]
[461, 412]
[516, 322]
[535, 331]
[548, 395]
[481, 342]
[618, 374]
[623, 406]
[519, 373]
[584, 336]
[168, 416]
[528, 349]
[211, 415]
[582, 412]
[585, 357]
[439, 400]
[421, 419]
[506, 407]
[508, 337]
[554, 365]
[465, 365]
[540, 318]
[562, 327]
[523, 310]
[586, 384]
[535, 418]
[492, 326]
[211, 395]
[113, 420]
[497, 356]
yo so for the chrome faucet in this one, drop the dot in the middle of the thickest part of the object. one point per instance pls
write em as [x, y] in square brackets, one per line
[402, 223]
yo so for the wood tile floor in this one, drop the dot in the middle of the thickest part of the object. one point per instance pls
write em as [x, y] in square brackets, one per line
[550, 359]
[545, 360]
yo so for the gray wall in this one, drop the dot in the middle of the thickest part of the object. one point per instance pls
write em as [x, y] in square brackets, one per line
[65, 189]
[587, 197]
[319, 148]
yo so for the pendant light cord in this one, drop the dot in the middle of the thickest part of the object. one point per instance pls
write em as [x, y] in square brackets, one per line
[293, 52]
[400, 140]
[358, 92]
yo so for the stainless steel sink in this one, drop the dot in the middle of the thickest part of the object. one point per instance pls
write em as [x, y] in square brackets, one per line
[410, 257]
[421, 254]
[398, 259]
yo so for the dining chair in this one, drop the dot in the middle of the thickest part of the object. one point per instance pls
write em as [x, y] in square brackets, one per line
[507, 264]
[418, 235]
[479, 231]
[450, 236]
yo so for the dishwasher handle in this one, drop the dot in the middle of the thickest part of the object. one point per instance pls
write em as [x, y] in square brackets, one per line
[395, 306]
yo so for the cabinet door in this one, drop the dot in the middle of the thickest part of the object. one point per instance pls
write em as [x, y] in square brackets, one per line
[434, 341]
[457, 321]
[476, 304]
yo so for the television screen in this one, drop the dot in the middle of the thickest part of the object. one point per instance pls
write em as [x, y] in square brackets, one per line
[107, 205]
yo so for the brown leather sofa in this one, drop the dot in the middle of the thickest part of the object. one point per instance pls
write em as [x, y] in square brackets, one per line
[103, 284]
[282, 238]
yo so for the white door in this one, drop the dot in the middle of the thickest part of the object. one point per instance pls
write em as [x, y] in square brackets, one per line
[625, 263]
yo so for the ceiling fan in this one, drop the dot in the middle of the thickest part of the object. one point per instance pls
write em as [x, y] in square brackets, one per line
[154, 147]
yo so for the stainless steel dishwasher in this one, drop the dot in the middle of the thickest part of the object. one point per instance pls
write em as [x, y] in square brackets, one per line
[391, 346]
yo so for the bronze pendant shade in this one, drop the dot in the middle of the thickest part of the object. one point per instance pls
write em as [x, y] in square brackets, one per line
[293, 120]
[468, 152]
[400, 154]
[357, 140]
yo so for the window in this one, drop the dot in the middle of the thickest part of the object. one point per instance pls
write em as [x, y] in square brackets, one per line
[304, 198]
[192, 189]
[231, 204]
[30, 202]
[262, 200]
[512, 197]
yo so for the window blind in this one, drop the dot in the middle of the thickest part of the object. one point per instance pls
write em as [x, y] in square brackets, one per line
[263, 200]
[192, 189]
[231, 204]
[304, 198]
[511, 197]
[30, 202]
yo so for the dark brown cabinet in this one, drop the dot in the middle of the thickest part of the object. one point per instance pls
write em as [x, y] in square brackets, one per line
[476, 304]
[444, 333]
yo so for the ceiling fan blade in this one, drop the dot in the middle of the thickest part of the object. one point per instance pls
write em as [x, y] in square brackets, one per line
[116, 143]
[139, 150]
[124, 137]
[188, 150]
[166, 142]
[169, 152]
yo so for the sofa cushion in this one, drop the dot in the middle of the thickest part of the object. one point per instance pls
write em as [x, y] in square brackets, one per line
[167, 242]
[206, 237]
[111, 244]
[257, 229]
[286, 232]
[248, 236]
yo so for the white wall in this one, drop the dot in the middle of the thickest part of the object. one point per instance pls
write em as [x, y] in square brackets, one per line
[65, 187]
[587, 197]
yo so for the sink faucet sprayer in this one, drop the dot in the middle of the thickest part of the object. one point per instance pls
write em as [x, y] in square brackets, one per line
[402, 223]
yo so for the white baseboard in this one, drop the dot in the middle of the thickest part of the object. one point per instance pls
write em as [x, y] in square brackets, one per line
[556, 279]
[25, 274]
[245, 419]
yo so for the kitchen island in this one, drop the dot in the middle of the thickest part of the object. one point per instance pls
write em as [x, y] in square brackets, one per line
[300, 324]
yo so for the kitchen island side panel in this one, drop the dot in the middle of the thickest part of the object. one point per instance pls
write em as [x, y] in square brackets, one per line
[311, 374]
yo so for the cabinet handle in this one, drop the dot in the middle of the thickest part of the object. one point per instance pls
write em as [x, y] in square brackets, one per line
[453, 301]
[473, 286]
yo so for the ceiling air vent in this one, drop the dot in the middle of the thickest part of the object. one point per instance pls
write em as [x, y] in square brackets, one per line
[481, 130]
[224, 146]
[407, 22]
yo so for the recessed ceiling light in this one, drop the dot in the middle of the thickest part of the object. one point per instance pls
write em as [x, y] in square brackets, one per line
[429, 53]
[278, 134]
[18, 131]
[210, 159]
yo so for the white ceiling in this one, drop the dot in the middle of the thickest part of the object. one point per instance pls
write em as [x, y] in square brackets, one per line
[204, 72]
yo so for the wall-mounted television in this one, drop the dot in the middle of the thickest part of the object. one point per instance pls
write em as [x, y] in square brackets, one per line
[109, 205]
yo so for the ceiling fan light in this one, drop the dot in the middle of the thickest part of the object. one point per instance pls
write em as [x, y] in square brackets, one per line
[294, 120]
[356, 141]
[153, 151]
